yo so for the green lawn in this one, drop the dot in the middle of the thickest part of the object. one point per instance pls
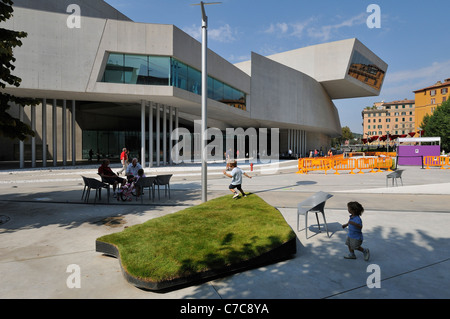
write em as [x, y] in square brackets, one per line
[210, 236]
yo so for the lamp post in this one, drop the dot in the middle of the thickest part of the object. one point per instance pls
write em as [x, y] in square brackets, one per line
[204, 126]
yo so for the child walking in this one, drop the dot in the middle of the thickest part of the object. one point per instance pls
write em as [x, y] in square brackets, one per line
[236, 179]
[355, 236]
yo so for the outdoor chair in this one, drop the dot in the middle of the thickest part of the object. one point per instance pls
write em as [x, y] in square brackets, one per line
[97, 185]
[146, 182]
[314, 204]
[394, 175]
[86, 187]
[163, 180]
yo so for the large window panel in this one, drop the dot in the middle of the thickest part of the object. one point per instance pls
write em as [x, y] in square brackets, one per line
[179, 74]
[159, 70]
[194, 81]
[114, 71]
[136, 69]
[218, 90]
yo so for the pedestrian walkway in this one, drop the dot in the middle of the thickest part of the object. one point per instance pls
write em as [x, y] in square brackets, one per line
[45, 228]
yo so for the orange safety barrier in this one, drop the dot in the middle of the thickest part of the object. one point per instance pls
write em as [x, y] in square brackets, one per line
[314, 164]
[435, 161]
[340, 164]
[366, 163]
[384, 162]
[344, 165]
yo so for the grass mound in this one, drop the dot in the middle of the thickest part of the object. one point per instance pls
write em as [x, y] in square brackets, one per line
[207, 238]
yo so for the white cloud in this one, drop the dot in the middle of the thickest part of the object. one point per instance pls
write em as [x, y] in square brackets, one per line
[221, 34]
[325, 32]
[310, 28]
[401, 84]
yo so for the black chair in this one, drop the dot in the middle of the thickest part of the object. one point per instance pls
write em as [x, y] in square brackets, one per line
[86, 187]
[146, 182]
[163, 180]
[394, 175]
[97, 185]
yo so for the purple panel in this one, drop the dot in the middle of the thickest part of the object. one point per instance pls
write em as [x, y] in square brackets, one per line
[412, 154]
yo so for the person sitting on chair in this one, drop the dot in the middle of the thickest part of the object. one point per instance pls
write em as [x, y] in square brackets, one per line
[109, 176]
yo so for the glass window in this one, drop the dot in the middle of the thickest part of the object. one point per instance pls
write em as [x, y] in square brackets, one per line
[366, 71]
[179, 74]
[210, 88]
[218, 90]
[194, 83]
[114, 69]
[136, 69]
[159, 70]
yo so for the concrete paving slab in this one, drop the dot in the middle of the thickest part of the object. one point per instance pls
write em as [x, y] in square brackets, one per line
[47, 227]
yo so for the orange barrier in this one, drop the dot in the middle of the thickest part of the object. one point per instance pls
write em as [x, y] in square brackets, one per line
[384, 162]
[435, 161]
[344, 165]
[367, 163]
[338, 163]
[314, 164]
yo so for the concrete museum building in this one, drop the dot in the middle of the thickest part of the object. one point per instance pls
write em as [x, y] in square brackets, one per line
[112, 83]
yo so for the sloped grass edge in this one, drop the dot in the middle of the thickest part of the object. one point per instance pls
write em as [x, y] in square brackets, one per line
[279, 250]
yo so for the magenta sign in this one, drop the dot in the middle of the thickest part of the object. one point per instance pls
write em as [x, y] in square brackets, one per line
[413, 154]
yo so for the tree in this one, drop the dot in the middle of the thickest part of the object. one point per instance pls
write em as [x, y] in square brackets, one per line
[346, 134]
[10, 126]
[438, 124]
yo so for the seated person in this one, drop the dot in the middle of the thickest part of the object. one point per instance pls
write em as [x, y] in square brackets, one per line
[109, 176]
[138, 188]
[132, 169]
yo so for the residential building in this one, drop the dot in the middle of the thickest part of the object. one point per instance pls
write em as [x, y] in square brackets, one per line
[429, 98]
[393, 118]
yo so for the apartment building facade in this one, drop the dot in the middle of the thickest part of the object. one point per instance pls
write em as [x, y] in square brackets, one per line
[429, 98]
[396, 118]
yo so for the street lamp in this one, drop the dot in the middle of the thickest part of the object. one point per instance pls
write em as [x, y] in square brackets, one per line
[204, 136]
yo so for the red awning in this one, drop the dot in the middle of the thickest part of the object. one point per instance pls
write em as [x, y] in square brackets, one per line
[412, 134]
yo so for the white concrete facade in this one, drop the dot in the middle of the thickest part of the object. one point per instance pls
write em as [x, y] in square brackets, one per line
[63, 66]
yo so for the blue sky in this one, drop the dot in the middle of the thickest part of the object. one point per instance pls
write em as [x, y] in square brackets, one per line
[413, 37]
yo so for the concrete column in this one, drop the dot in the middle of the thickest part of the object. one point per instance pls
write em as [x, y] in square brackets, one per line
[176, 117]
[170, 134]
[74, 140]
[54, 134]
[21, 144]
[44, 132]
[289, 139]
[33, 139]
[64, 133]
[158, 134]
[164, 135]
[143, 105]
[150, 135]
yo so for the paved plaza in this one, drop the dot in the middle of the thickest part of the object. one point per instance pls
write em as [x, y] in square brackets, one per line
[45, 227]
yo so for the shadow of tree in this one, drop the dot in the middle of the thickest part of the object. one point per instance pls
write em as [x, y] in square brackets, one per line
[65, 208]
[319, 270]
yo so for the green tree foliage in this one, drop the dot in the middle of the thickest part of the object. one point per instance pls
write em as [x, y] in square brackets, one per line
[9, 126]
[438, 124]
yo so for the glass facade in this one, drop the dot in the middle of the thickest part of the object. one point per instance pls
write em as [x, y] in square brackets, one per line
[366, 71]
[159, 70]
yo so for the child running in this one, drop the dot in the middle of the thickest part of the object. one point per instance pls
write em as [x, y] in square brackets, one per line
[355, 236]
[236, 179]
